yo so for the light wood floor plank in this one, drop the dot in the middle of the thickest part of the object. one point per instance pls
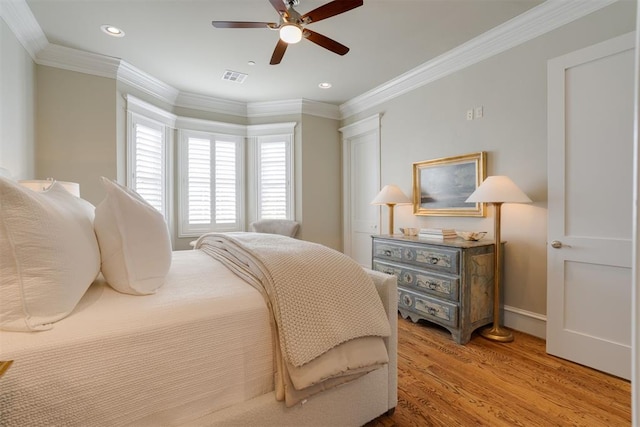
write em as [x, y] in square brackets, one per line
[485, 383]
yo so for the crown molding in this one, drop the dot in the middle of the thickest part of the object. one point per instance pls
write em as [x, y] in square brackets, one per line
[77, 60]
[539, 20]
[23, 24]
[137, 78]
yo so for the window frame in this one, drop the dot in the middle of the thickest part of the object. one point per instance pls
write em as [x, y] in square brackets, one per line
[267, 132]
[133, 120]
[290, 191]
[193, 230]
[139, 111]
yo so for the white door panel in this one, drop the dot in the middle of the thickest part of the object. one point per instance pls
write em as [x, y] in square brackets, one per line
[590, 180]
[361, 172]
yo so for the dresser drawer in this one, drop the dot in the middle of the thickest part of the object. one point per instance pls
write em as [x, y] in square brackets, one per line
[421, 280]
[433, 257]
[432, 309]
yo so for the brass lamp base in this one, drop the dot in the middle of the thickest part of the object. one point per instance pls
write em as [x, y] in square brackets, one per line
[497, 333]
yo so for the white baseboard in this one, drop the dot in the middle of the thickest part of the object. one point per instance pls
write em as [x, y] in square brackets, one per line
[525, 321]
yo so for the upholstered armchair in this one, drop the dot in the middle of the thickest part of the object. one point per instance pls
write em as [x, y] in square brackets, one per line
[284, 227]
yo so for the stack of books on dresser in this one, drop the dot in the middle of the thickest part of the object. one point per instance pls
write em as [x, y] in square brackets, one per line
[438, 233]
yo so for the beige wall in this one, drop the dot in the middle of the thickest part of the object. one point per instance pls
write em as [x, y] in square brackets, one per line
[320, 182]
[430, 123]
[17, 107]
[76, 124]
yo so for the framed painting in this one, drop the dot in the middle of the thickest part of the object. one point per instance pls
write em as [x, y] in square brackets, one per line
[442, 186]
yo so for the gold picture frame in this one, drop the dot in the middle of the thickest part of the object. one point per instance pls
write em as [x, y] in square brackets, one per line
[441, 186]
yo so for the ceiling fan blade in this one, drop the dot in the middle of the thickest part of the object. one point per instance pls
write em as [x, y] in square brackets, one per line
[279, 6]
[236, 24]
[325, 42]
[330, 9]
[278, 52]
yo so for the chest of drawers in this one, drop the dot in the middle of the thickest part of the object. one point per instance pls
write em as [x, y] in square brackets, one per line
[448, 282]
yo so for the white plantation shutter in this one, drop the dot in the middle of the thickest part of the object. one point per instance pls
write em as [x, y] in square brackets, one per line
[273, 180]
[148, 162]
[210, 173]
[226, 183]
[274, 156]
[199, 181]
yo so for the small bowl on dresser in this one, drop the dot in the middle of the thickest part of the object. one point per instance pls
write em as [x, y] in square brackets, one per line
[471, 235]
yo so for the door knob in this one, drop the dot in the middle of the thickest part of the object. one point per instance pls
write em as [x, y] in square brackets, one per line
[556, 244]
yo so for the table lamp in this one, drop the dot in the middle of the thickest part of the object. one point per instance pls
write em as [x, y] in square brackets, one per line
[497, 190]
[43, 184]
[391, 195]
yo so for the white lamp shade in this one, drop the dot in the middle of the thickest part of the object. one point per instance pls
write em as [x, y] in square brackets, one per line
[43, 184]
[498, 189]
[392, 195]
[290, 33]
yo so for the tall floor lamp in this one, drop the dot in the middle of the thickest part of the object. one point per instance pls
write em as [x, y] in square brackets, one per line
[497, 190]
[391, 195]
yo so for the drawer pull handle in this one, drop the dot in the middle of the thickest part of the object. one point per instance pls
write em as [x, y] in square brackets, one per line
[387, 252]
[428, 284]
[434, 260]
[389, 271]
[432, 311]
[406, 300]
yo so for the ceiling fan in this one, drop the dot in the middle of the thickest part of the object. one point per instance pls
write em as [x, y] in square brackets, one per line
[292, 25]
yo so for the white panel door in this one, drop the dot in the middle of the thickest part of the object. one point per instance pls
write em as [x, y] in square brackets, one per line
[590, 183]
[361, 172]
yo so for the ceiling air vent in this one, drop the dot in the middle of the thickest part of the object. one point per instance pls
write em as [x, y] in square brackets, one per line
[234, 76]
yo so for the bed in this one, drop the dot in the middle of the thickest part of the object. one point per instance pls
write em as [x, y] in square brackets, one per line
[196, 351]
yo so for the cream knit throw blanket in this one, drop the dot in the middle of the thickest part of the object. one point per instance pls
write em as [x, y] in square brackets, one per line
[319, 297]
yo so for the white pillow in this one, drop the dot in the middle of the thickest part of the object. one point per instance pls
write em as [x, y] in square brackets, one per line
[134, 241]
[49, 255]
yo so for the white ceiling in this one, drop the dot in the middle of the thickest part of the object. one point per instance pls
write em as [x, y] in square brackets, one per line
[174, 41]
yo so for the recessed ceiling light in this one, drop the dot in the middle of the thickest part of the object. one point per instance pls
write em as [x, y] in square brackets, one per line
[251, 62]
[324, 85]
[112, 31]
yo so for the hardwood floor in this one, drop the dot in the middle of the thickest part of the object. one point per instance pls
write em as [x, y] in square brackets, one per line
[485, 383]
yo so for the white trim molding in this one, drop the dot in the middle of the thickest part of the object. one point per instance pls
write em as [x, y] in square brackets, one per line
[541, 19]
[361, 126]
[80, 61]
[128, 74]
[149, 111]
[525, 321]
[23, 24]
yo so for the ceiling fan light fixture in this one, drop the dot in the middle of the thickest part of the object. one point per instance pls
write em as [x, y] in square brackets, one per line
[290, 33]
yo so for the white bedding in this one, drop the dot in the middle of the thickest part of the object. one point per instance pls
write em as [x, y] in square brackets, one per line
[75, 375]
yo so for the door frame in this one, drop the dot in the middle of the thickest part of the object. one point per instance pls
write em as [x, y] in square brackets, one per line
[349, 133]
[635, 246]
[556, 131]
